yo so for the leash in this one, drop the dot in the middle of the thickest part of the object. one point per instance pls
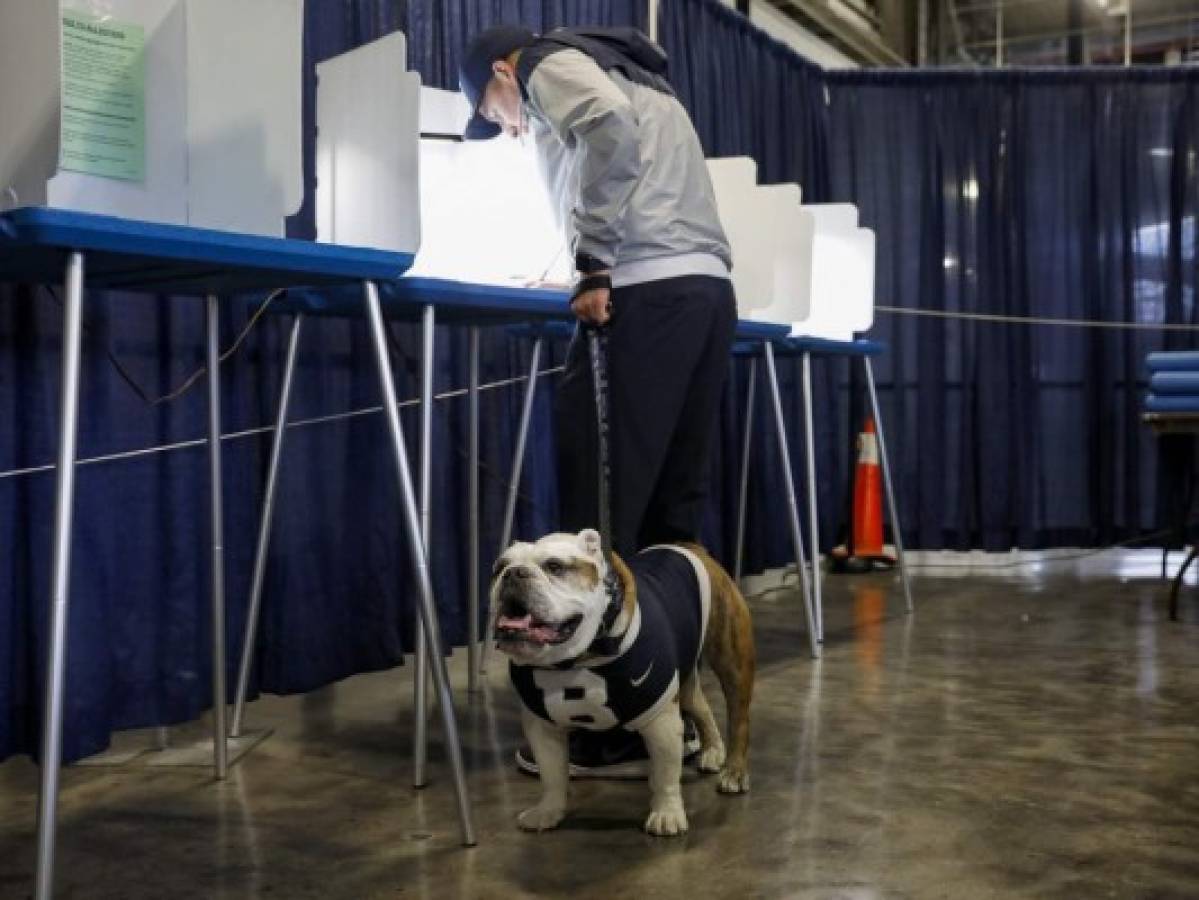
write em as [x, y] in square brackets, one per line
[597, 348]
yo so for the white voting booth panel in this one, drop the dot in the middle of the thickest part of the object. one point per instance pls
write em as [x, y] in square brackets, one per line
[367, 164]
[808, 266]
[735, 180]
[244, 128]
[861, 281]
[842, 278]
[772, 239]
[485, 214]
[218, 141]
[786, 233]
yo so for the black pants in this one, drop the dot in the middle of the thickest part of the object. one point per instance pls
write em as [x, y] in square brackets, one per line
[668, 355]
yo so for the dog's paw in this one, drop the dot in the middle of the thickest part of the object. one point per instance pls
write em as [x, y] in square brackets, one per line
[668, 821]
[541, 818]
[711, 759]
[733, 781]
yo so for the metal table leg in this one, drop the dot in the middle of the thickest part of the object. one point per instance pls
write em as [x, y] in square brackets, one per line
[813, 518]
[743, 499]
[215, 483]
[889, 482]
[518, 458]
[1176, 586]
[60, 580]
[1180, 528]
[420, 563]
[253, 612]
[420, 679]
[792, 506]
[472, 660]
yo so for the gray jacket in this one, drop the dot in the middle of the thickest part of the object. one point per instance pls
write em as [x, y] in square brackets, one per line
[624, 168]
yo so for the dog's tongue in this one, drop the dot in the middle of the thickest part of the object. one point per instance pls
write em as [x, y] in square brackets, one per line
[522, 624]
[527, 628]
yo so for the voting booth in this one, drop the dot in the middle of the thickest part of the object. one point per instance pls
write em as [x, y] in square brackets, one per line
[367, 161]
[394, 173]
[787, 235]
[485, 214]
[808, 266]
[735, 180]
[842, 275]
[811, 268]
[180, 112]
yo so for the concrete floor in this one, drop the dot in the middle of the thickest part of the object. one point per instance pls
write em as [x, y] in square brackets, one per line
[1018, 737]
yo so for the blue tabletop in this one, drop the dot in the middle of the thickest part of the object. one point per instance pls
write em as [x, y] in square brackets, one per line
[749, 334]
[461, 302]
[825, 347]
[146, 256]
[751, 331]
[794, 346]
[457, 302]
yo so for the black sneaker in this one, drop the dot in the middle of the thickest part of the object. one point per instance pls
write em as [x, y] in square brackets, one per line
[609, 754]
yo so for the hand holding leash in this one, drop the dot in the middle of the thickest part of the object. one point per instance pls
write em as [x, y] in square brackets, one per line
[592, 299]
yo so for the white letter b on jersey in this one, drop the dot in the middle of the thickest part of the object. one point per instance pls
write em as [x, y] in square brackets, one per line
[575, 698]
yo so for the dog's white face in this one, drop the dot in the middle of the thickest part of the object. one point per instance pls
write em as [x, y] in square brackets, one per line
[549, 597]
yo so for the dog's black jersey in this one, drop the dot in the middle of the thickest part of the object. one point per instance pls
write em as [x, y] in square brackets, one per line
[662, 643]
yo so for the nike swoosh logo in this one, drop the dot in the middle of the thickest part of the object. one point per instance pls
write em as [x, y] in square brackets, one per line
[637, 682]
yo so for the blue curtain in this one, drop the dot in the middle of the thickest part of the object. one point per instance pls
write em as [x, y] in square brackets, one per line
[748, 94]
[1061, 194]
[1065, 194]
[338, 587]
[438, 31]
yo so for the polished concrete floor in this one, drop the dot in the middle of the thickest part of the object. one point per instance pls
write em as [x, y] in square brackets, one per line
[1017, 737]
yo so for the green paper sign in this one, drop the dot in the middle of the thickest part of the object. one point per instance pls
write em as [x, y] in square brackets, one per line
[103, 97]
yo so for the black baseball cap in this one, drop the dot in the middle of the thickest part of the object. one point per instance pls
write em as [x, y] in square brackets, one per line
[475, 71]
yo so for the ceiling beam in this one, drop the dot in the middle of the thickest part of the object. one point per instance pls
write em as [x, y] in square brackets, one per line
[862, 44]
[1103, 30]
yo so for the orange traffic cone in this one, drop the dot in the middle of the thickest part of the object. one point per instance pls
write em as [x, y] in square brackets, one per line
[867, 528]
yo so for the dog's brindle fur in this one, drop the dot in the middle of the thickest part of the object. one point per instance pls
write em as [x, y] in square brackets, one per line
[729, 650]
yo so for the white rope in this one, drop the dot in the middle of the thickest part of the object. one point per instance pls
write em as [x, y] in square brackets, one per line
[1034, 320]
[266, 429]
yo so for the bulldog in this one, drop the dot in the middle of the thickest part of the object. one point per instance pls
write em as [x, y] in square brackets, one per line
[595, 642]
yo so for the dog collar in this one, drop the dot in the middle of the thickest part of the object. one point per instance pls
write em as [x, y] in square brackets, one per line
[604, 643]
